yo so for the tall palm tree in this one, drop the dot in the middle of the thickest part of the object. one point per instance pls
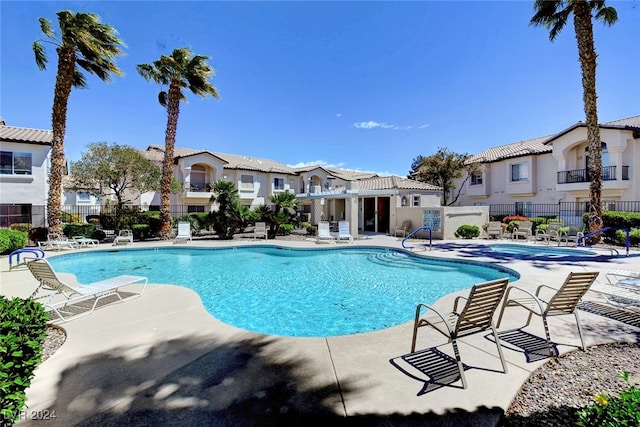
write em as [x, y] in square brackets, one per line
[177, 71]
[84, 44]
[553, 14]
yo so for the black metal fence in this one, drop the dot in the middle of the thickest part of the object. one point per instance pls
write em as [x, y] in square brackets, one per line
[569, 212]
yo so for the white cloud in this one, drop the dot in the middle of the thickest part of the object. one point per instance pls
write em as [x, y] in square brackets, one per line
[373, 124]
[318, 163]
[338, 115]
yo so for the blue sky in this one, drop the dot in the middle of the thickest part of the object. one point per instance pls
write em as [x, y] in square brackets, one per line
[358, 85]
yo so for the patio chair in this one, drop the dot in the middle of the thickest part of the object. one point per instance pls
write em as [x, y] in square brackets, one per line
[563, 301]
[184, 232]
[324, 233]
[476, 316]
[124, 237]
[570, 235]
[343, 232]
[524, 229]
[623, 278]
[403, 229]
[260, 230]
[551, 233]
[57, 241]
[494, 229]
[64, 296]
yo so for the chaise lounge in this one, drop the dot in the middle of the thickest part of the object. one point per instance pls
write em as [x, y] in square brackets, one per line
[68, 299]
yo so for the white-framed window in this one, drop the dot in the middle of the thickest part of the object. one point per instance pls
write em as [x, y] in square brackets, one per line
[519, 172]
[83, 197]
[415, 201]
[476, 178]
[15, 163]
[246, 183]
[278, 184]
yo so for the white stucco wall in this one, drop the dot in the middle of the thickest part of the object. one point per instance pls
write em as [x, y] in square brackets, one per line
[26, 189]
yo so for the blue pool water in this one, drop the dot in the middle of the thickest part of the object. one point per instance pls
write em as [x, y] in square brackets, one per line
[294, 292]
[543, 251]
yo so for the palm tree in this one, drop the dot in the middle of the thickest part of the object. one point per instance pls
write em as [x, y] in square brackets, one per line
[286, 205]
[179, 70]
[228, 217]
[85, 43]
[553, 14]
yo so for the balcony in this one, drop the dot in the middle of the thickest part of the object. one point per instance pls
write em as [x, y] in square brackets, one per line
[582, 175]
[198, 191]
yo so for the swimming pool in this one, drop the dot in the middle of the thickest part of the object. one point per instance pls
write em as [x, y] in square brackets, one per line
[294, 292]
[541, 251]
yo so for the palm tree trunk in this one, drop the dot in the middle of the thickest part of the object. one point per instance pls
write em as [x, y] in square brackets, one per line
[173, 111]
[586, 51]
[64, 80]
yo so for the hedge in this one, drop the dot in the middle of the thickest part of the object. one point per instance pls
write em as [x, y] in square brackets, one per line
[24, 329]
[11, 240]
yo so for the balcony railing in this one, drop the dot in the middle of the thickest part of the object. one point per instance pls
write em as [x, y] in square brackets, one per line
[582, 175]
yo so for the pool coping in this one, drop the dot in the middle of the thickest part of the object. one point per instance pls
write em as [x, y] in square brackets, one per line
[165, 341]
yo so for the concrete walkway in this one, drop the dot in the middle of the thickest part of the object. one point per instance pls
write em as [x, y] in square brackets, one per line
[161, 359]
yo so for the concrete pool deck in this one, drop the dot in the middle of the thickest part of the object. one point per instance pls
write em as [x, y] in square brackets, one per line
[163, 359]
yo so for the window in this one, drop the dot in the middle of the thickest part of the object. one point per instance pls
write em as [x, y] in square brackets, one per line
[83, 196]
[278, 183]
[476, 178]
[15, 163]
[195, 208]
[246, 182]
[519, 172]
[416, 201]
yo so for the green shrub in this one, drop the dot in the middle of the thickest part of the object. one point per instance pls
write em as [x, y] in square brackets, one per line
[98, 235]
[620, 238]
[286, 229]
[613, 411]
[69, 217]
[20, 226]
[152, 219]
[24, 329]
[11, 240]
[140, 231]
[85, 230]
[467, 231]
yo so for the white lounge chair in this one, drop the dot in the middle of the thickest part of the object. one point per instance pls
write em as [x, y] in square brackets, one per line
[184, 232]
[343, 232]
[57, 241]
[624, 278]
[623, 289]
[324, 233]
[124, 237]
[260, 230]
[68, 298]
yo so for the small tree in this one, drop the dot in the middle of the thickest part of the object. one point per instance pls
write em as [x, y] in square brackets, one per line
[286, 205]
[229, 216]
[441, 169]
[114, 169]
